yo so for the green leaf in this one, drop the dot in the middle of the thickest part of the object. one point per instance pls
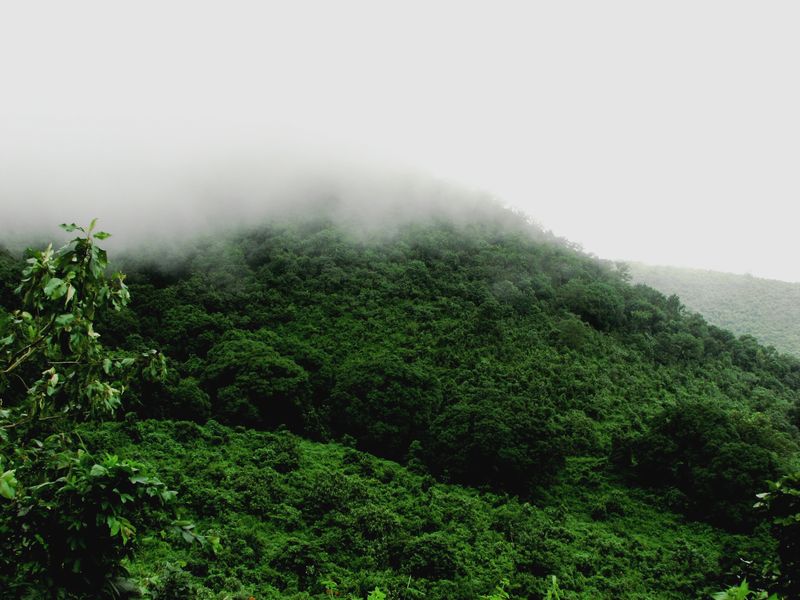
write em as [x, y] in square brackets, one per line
[102, 235]
[182, 523]
[52, 285]
[71, 227]
[216, 546]
[52, 383]
[6, 491]
[113, 524]
[98, 471]
[8, 485]
[55, 288]
[376, 594]
[65, 319]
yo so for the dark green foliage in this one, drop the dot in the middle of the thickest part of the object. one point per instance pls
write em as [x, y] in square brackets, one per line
[782, 505]
[66, 517]
[10, 270]
[383, 401]
[71, 526]
[186, 397]
[496, 353]
[598, 303]
[710, 459]
[191, 330]
[253, 383]
[430, 556]
[509, 443]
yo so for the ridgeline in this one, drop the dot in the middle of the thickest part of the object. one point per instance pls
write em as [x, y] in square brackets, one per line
[766, 309]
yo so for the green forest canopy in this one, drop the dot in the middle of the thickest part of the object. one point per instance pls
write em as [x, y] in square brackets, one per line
[544, 417]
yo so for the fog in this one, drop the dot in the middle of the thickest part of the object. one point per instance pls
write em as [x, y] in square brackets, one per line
[162, 196]
[665, 133]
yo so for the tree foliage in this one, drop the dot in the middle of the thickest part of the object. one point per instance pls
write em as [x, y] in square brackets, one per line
[711, 459]
[67, 516]
[782, 504]
[52, 337]
[496, 353]
[491, 356]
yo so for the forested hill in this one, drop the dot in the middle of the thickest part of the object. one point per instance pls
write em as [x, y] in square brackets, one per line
[767, 309]
[585, 412]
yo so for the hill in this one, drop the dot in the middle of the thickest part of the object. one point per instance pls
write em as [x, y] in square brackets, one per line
[467, 403]
[767, 309]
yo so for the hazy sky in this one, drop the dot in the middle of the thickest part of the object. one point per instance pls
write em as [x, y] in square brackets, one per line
[666, 132]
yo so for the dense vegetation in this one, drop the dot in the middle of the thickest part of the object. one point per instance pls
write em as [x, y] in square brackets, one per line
[294, 516]
[67, 515]
[766, 309]
[548, 418]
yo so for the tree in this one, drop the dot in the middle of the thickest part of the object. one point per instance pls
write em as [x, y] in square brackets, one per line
[510, 442]
[67, 517]
[782, 503]
[383, 401]
[52, 337]
[253, 383]
[597, 303]
[711, 458]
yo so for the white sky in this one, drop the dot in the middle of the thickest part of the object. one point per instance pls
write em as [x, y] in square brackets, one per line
[665, 132]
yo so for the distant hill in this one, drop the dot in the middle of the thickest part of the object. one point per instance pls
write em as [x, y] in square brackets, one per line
[767, 309]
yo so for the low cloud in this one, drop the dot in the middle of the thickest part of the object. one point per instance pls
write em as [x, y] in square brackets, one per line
[152, 194]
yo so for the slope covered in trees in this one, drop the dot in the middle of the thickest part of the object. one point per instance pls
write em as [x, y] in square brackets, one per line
[567, 422]
[767, 309]
[297, 519]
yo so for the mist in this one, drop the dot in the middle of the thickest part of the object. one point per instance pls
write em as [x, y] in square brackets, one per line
[164, 194]
[659, 133]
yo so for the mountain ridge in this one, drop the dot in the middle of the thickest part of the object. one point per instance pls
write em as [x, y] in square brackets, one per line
[767, 309]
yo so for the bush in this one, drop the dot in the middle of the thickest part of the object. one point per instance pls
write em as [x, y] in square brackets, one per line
[72, 531]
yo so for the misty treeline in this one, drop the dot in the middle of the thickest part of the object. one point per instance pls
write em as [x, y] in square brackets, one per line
[766, 309]
[541, 416]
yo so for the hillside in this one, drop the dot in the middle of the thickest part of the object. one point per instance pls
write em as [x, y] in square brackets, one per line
[297, 518]
[455, 405]
[767, 309]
